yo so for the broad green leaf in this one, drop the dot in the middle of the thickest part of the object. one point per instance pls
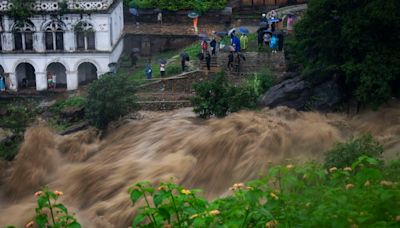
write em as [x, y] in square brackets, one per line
[138, 219]
[135, 195]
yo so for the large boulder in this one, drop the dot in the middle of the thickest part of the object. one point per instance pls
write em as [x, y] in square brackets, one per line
[300, 94]
[292, 93]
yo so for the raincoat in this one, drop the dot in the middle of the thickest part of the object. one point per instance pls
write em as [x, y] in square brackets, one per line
[149, 72]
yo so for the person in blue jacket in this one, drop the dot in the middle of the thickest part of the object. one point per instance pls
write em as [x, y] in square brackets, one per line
[149, 72]
[274, 43]
[236, 43]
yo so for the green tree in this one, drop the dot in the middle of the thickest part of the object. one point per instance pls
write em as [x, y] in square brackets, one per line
[358, 41]
[109, 98]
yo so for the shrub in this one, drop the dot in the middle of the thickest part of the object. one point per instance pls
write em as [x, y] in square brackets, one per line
[218, 97]
[174, 5]
[351, 46]
[76, 101]
[361, 195]
[109, 98]
[344, 154]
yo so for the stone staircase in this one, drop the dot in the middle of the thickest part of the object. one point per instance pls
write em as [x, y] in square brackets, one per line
[214, 66]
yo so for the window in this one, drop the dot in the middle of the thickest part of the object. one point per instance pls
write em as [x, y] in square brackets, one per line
[54, 36]
[85, 36]
[23, 36]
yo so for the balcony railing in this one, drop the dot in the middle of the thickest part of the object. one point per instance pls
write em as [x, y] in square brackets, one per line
[54, 5]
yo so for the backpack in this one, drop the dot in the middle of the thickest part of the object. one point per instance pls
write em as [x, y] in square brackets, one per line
[204, 45]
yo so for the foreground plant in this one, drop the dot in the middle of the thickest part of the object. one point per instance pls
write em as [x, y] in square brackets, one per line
[50, 213]
[365, 194]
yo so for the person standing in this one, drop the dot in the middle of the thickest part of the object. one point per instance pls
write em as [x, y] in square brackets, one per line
[244, 40]
[54, 76]
[148, 72]
[274, 43]
[208, 61]
[213, 45]
[162, 69]
[49, 81]
[2, 83]
[195, 23]
[204, 47]
[230, 60]
[159, 18]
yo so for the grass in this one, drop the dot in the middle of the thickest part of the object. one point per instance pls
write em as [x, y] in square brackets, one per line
[173, 66]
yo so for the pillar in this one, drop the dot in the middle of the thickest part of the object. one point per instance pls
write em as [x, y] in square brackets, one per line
[41, 81]
[38, 42]
[69, 41]
[72, 80]
[13, 81]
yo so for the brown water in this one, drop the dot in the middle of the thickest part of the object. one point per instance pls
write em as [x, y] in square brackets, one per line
[95, 174]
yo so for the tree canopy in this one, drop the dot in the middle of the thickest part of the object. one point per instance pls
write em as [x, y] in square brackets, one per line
[358, 41]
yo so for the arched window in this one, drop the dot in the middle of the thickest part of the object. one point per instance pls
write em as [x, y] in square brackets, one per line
[85, 36]
[23, 35]
[54, 36]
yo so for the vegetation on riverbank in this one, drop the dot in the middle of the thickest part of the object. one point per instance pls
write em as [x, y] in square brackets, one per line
[175, 5]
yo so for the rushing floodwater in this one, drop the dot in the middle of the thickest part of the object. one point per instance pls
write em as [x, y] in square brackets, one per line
[95, 174]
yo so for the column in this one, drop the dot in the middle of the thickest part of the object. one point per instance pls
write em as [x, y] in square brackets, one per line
[69, 41]
[38, 42]
[72, 80]
[13, 81]
[41, 81]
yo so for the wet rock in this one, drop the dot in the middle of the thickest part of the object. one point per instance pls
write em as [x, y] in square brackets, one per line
[292, 93]
[75, 128]
[72, 114]
[299, 94]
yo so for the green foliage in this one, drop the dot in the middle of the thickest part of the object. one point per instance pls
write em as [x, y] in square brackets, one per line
[50, 213]
[109, 98]
[354, 40]
[344, 154]
[19, 115]
[175, 5]
[218, 97]
[363, 195]
[75, 101]
[21, 10]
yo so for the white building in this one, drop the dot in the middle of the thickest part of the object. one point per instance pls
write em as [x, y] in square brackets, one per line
[76, 46]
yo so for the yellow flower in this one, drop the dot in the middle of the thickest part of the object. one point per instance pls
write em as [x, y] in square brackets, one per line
[367, 183]
[348, 169]
[274, 196]
[185, 191]
[290, 166]
[349, 186]
[271, 224]
[29, 225]
[39, 193]
[215, 212]
[58, 193]
[386, 183]
[333, 169]
[194, 216]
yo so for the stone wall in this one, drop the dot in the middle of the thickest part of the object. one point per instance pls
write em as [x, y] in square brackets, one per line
[178, 84]
[152, 44]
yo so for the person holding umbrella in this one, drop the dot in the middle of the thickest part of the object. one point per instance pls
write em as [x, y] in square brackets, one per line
[195, 17]
[184, 58]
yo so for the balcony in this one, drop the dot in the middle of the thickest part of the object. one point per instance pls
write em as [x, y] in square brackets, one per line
[55, 5]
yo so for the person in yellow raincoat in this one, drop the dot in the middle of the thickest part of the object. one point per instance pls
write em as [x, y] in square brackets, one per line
[244, 40]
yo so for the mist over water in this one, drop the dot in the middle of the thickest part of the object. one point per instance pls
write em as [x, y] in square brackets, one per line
[95, 174]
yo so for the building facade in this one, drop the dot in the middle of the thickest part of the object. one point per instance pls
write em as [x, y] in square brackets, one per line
[77, 45]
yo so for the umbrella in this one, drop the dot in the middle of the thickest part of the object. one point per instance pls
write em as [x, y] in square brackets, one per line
[163, 61]
[184, 55]
[231, 31]
[203, 36]
[263, 24]
[273, 20]
[229, 48]
[193, 15]
[135, 50]
[244, 30]
[221, 34]
[134, 11]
